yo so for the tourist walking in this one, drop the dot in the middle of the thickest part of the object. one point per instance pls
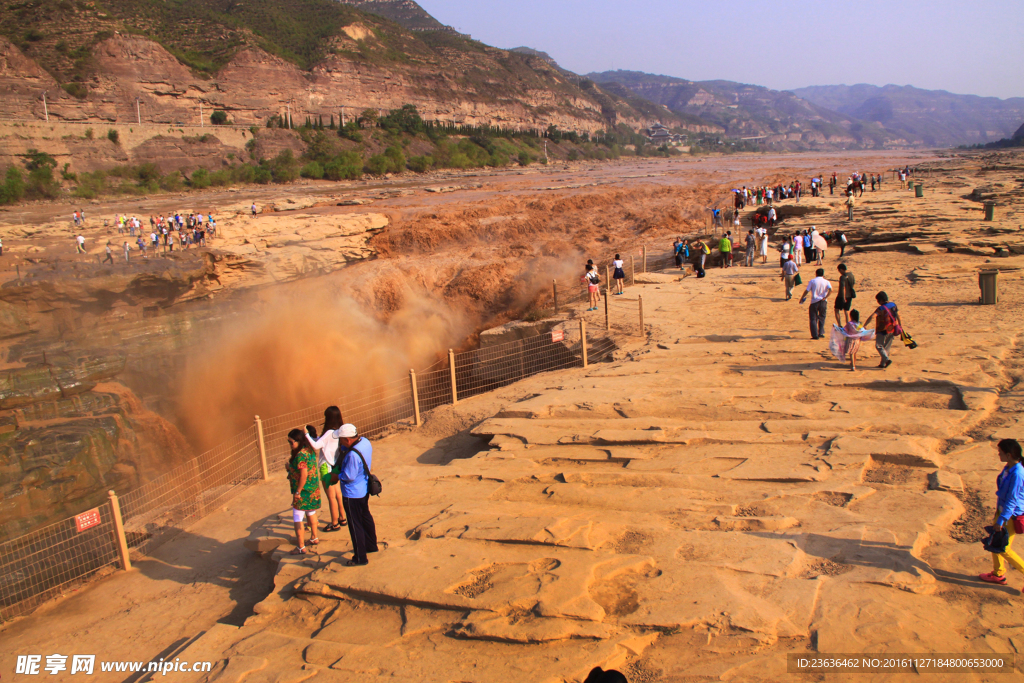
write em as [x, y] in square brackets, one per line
[888, 326]
[764, 244]
[619, 275]
[127, 249]
[842, 244]
[1009, 509]
[748, 261]
[353, 472]
[80, 244]
[305, 487]
[790, 273]
[845, 294]
[109, 257]
[326, 448]
[819, 289]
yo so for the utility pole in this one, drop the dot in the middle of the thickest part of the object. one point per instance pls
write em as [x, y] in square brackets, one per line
[138, 112]
[201, 115]
[343, 117]
[46, 114]
[289, 116]
[545, 151]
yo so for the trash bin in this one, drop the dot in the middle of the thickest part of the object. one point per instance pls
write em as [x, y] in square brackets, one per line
[990, 210]
[988, 282]
[919, 190]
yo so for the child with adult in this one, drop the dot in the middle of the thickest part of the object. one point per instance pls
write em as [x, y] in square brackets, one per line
[889, 325]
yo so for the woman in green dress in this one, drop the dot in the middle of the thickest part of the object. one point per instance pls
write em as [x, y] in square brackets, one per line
[305, 485]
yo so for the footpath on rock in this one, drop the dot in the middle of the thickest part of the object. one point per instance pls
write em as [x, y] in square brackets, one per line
[714, 496]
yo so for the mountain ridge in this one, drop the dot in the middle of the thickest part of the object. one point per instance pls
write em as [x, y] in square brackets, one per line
[928, 117]
[751, 111]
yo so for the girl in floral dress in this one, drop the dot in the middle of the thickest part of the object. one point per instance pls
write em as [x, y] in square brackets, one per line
[305, 485]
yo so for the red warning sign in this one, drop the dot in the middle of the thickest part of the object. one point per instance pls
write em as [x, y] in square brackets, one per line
[87, 520]
[557, 336]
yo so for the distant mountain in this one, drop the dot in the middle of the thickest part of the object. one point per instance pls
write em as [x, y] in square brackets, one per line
[1019, 135]
[935, 118]
[403, 12]
[751, 111]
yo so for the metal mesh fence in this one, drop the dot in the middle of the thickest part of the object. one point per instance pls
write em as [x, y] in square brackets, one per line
[158, 509]
[372, 410]
[41, 564]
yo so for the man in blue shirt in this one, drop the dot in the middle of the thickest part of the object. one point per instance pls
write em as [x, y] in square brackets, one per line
[355, 495]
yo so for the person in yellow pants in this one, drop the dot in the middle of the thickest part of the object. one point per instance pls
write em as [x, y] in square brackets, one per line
[1009, 505]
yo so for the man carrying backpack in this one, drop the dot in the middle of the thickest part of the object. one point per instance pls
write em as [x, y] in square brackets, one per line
[888, 327]
[352, 469]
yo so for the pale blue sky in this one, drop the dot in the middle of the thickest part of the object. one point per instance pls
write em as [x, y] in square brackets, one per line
[964, 47]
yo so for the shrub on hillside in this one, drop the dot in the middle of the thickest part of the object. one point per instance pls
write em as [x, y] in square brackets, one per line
[13, 188]
[312, 170]
[113, 136]
[283, 168]
[346, 166]
[200, 179]
[421, 164]
[218, 117]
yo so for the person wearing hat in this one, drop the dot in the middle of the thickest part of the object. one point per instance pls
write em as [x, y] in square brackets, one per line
[352, 469]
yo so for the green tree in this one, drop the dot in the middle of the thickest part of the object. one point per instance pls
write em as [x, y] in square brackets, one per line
[13, 188]
[200, 179]
[312, 170]
[113, 136]
[218, 117]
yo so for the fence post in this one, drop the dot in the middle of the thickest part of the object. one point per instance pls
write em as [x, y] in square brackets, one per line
[415, 397]
[451, 366]
[583, 340]
[632, 270]
[554, 293]
[645, 258]
[261, 446]
[122, 542]
[643, 332]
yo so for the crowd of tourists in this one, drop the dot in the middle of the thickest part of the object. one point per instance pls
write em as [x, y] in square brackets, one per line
[184, 231]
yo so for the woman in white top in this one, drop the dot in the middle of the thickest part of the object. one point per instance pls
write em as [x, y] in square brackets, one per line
[619, 275]
[326, 448]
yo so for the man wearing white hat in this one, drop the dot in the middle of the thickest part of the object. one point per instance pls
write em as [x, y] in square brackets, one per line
[352, 469]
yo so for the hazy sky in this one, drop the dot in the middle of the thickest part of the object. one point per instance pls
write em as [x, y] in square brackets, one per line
[963, 47]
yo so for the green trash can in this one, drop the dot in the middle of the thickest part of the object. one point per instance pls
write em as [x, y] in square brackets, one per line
[988, 281]
[919, 190]
[990, 211]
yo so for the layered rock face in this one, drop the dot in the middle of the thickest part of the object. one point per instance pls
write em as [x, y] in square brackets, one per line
[66, 437]
[255, 86]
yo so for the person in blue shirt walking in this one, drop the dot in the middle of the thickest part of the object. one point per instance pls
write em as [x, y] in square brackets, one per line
[1009, 508]
[352, 468]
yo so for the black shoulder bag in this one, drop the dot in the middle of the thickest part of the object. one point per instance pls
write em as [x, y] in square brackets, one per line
[373, 485]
